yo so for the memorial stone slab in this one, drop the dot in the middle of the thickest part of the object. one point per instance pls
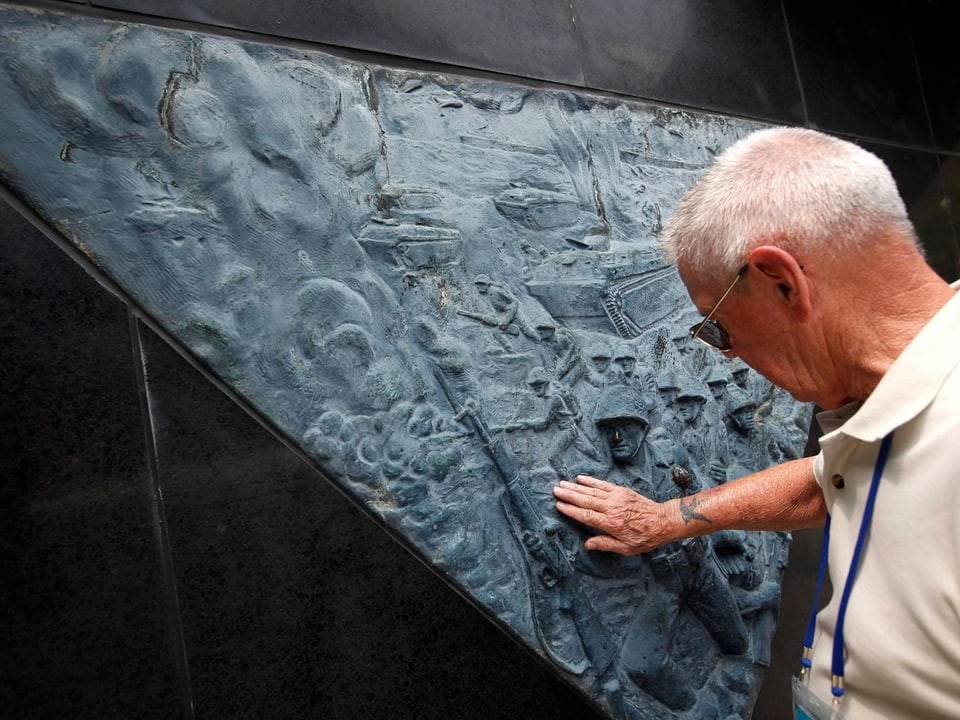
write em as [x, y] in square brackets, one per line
[447, 292]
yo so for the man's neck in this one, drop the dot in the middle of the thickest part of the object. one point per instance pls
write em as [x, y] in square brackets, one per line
[876, 343]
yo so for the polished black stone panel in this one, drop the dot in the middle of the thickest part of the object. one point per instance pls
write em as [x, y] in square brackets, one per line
[950, 177]
[934, 28]
[921, 182]
[797, 551]
[528, 39]
[295, 603]
[362, 253]
[857, 70]
[720, 55]
[86, 632]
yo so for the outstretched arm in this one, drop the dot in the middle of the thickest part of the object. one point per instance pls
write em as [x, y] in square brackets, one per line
[784, 497]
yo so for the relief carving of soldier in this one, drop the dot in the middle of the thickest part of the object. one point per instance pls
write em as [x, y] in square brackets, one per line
[504, 308]
[688, 579]
[560, 412]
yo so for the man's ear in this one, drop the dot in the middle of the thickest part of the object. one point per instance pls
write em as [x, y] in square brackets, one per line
[786, 276]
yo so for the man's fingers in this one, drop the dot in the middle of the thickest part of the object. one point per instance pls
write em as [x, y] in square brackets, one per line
[581, 497]
[580, 513]
[570, 510]
[572, 492]
[595, 483]
[584, 487]
[606, 543]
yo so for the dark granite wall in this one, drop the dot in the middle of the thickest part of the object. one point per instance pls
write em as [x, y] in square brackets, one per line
[164, 555]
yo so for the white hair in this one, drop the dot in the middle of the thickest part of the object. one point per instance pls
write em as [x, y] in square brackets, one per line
[798, 189]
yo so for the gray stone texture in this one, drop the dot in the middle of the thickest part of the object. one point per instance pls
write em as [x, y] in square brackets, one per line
[429, 284]
[528, 39]
[724, 56]
[68, 422]
[280, 597]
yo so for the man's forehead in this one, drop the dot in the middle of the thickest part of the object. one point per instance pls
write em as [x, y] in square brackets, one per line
[699, 297]
[702, 292]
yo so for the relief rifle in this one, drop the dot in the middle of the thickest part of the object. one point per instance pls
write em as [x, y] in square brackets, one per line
[557, 573]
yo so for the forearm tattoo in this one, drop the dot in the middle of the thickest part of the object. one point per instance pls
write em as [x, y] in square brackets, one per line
[688, 511]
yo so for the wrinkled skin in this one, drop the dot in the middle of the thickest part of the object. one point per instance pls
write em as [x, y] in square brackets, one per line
[629, 522]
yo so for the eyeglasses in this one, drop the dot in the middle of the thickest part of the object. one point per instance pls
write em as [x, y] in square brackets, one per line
[709, 331]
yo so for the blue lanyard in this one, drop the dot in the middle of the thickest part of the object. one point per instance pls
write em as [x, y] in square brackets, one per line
[837, 661]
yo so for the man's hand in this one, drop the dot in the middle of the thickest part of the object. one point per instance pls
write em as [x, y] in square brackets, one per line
[631, 523]
[782, 497]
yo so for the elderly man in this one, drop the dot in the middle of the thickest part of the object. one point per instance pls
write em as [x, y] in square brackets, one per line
[797, 248]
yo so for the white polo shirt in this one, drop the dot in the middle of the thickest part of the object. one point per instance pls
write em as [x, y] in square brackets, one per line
[902, 628]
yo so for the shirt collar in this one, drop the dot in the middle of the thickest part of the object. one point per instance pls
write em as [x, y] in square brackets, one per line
[910, 384]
